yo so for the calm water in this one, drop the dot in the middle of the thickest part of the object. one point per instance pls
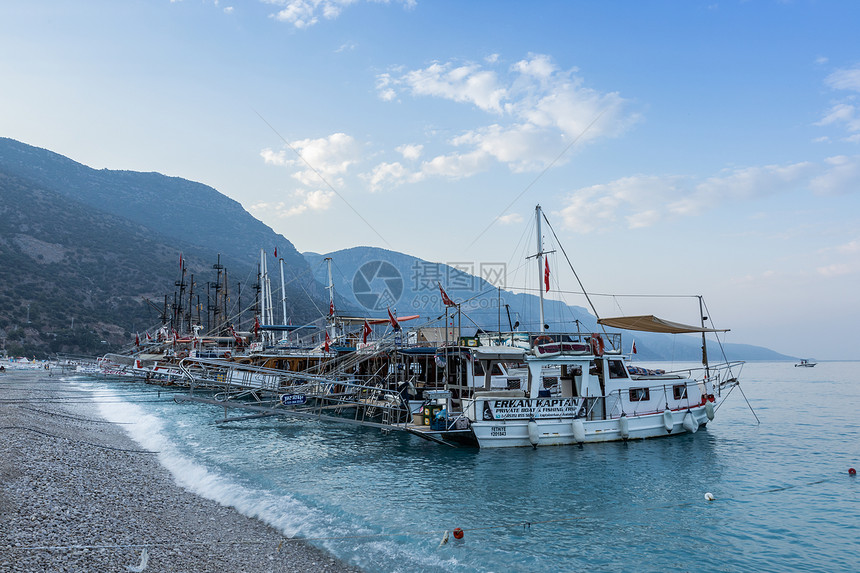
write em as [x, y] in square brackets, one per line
[382, 502]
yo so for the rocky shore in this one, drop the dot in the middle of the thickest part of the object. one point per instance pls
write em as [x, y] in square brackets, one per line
[77, 494]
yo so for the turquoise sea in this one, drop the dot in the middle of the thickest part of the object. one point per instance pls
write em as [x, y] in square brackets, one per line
[784, 500]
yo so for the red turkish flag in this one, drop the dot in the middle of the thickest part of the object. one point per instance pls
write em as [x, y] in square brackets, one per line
[546, 274]
[446, 300]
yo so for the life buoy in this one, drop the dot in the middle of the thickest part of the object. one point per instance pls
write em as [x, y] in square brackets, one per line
[227, 355]
[597, 345]
[543, 339]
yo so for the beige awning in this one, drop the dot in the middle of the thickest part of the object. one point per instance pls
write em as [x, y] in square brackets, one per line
[650, 323]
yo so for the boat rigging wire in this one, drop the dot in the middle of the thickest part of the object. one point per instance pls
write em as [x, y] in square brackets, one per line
[560, 246]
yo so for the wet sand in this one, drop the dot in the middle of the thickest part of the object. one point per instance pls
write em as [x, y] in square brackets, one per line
[77, 494]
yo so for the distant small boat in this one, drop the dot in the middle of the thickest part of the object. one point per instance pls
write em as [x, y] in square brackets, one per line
[805, 363]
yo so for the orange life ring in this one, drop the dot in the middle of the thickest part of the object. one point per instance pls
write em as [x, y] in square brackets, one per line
[227, 355]
[597, 345]
[543, 339]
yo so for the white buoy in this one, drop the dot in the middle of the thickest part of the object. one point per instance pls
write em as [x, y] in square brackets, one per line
[709, 410]
[690, 423]
[578, 430]
[709, 496]
[624, 426]
[533, 433]
[668, 420]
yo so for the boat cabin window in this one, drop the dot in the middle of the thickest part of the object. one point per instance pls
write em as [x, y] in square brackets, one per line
[640, 394]
[495, 370]
[679, 391]
[616, 369]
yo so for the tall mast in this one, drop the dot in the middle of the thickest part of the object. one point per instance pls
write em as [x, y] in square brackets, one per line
[283, 290]
[264, 294]
[540, 263]
[704, 340]
[330, 288]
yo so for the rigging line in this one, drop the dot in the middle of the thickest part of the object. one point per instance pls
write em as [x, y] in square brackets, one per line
[323, 179]
[611, 295]
[719, 342]
[560, 246]
[304, 290]
[540, 175]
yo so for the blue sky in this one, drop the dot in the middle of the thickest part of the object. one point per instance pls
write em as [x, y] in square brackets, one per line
[678, 147]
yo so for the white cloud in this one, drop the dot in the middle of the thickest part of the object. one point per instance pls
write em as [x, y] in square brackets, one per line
[321, 166]
[840, 177]
[850, 247]
[511, 219]
[303, 200]
[538, 112]
[743, 184]
[228, 10]
[306, 13]
[837, 270]
[387, 175]
[643, 201]
[324, 158]
[844, 79]
[467, 83]
[411, 152]
[844, 113]
[632, 198]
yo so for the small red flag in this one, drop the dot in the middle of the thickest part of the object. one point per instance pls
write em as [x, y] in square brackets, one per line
[367, 332]
[546, 274]
[136, 340]
[180, 261]
[256, 326]
[331, 308]
[446, 300]
[327, 341]
[634, 347]
[393, 320]
[276, 252]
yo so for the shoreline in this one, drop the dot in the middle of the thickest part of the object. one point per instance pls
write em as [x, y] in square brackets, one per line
[78, 494]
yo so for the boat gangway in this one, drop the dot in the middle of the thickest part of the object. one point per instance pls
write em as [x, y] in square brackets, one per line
[343, 398]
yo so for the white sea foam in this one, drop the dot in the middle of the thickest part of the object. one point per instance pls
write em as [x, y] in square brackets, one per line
[281, 511]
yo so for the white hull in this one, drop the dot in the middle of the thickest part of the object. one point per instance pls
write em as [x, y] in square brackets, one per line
[560, 431]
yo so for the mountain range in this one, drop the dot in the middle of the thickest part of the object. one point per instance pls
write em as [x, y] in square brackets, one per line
[81, 250]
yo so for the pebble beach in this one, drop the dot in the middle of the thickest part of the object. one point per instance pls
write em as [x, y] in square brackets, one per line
[78, 494]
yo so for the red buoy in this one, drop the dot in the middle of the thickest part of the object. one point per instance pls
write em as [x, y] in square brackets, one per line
[458, 533]
[852, 472]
